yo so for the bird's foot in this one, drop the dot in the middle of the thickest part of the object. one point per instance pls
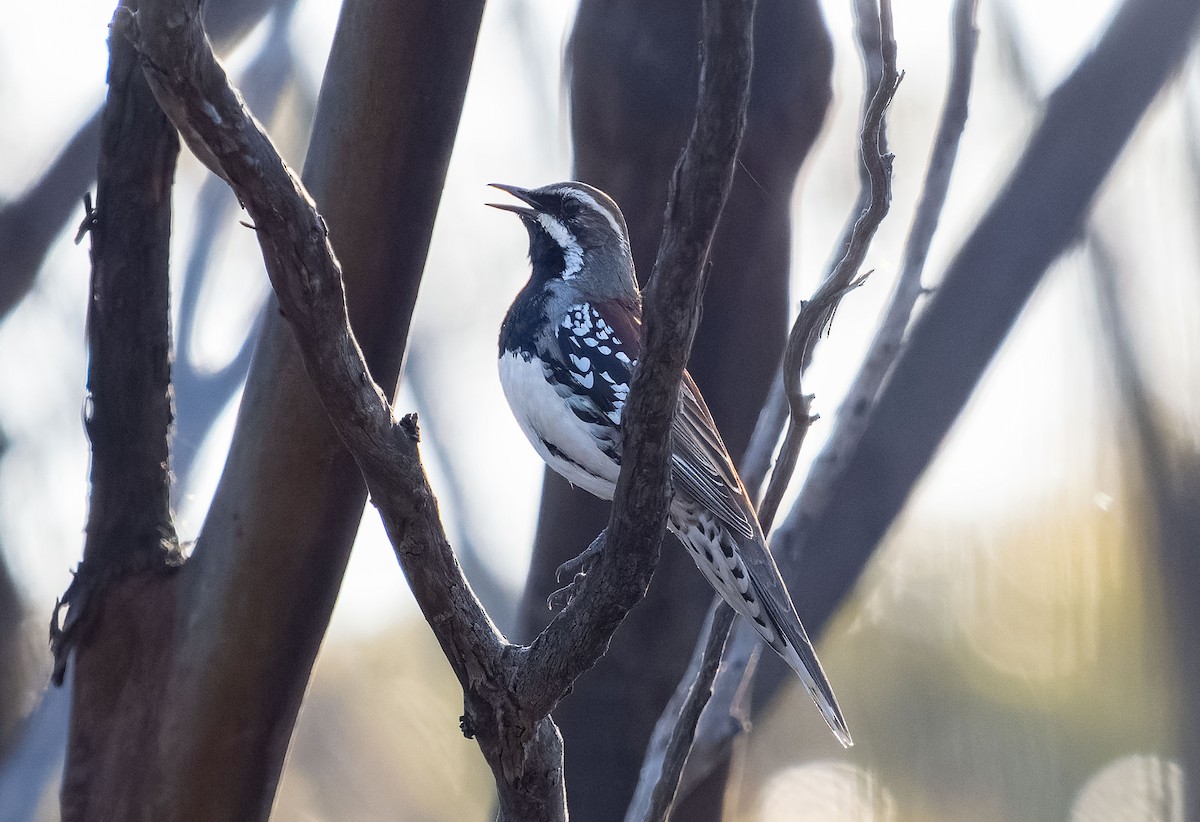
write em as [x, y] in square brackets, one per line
[563, 596]
[576, 568]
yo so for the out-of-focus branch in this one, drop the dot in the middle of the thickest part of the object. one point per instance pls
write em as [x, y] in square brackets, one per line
[125, 585]
[509, 693]
[29, 224]
[37, 753]
[14, 662]
[1171, 477]
[669, 748]
[1191, 104]
[1014, 55]
[1086, 123]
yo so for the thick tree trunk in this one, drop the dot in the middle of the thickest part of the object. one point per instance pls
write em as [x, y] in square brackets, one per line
[14, 668]
[633, 80]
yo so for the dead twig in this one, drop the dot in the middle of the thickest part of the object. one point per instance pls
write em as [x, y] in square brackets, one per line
[856, 407]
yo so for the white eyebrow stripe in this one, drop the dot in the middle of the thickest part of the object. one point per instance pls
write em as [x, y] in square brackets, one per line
[588, 199]
[572, 253]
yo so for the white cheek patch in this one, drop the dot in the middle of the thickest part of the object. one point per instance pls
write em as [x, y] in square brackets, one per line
[572, 253]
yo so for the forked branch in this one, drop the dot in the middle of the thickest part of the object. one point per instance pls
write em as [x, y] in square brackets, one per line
[509, 690]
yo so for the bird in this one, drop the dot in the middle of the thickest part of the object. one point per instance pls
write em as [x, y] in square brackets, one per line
[569, 344]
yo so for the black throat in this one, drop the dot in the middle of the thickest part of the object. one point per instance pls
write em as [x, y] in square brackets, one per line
[526, 316]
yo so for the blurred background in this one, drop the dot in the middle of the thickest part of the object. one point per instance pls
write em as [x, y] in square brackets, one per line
[1007, 655]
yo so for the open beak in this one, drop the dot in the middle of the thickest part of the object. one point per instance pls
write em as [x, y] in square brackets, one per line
[522, 194]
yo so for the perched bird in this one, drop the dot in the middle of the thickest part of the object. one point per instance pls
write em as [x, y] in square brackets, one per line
[568, 348]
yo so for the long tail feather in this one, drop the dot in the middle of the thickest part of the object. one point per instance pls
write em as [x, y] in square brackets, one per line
[799, 654]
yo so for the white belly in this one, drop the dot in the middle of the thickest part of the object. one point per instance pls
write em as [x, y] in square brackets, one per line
[551, 426]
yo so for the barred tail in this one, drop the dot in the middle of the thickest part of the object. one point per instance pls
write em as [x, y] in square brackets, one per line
[744, 574]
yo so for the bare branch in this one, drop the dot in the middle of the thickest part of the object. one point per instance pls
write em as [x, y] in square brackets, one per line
[665, 761]
[716, 629]
[509, 691]
[129, 411]
[273, 549]
[817, 313]
[307, 279]
[856, 408]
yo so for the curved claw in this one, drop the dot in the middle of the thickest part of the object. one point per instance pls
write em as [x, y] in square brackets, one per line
[576, 566]
[563, 596]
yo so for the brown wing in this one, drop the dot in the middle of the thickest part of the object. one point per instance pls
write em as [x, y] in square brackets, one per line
[703, 471]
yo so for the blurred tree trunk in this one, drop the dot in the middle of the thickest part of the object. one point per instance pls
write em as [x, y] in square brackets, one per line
[1175, 486]
[1168, 471]
[633, 80]
[13, 664]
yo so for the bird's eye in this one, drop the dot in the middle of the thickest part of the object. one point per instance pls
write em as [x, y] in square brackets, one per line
[571, 208]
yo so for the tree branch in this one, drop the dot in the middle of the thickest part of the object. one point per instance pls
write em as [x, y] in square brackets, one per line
[665, 761]
[666, 787]
[817, 313]
[856, 408]
[129, 410]
[509, 691]
[698, 191]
